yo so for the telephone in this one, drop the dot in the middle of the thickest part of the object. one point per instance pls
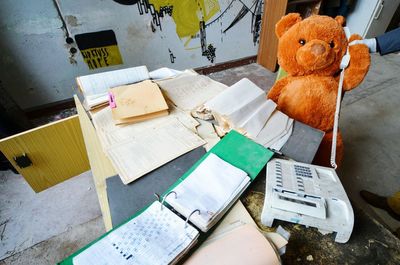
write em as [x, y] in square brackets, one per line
[309, 195]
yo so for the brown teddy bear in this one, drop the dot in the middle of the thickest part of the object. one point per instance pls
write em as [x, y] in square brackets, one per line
[310, 51]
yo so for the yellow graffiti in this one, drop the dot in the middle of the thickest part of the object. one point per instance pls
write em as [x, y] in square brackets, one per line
[188, 14]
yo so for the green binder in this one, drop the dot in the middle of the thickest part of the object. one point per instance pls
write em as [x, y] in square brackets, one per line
[238, 151]
[235, 149]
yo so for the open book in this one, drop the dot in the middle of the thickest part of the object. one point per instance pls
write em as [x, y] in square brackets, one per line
[95, 87]
[243, 107]
[154, 235]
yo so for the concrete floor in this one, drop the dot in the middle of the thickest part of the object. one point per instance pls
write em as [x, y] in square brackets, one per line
[370, 127]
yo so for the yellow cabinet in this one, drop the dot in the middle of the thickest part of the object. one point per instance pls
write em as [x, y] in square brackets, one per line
[49, 154]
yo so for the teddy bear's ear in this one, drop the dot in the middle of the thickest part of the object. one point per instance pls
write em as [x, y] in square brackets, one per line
[340, 20]
[286, 22]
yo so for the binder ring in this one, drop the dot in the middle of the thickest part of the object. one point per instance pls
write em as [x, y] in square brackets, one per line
[158, 197]
[187, 219]
[162, 202]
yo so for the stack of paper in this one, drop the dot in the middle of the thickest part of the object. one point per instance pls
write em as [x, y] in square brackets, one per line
[243, 107]
[276, 131]
[137, 102]
[190, 90]
[209, 190]
[136, 149]
[95, 87]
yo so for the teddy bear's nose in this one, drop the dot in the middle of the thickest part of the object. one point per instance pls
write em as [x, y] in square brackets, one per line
[317, 49]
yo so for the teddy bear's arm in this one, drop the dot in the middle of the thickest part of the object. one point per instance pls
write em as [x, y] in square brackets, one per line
[276, 89]
[359, 63]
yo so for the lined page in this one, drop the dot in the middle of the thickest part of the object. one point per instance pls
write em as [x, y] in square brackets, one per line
[156, 236]
[189, 91]
[95, 87]
[209, 188]
[152, 148]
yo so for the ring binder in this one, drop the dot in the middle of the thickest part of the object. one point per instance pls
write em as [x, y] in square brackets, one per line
[162, 202]
[187, 219]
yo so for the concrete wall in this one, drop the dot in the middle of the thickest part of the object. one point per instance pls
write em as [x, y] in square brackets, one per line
[38, 67]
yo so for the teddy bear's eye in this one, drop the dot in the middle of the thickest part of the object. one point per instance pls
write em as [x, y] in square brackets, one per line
[332, 44]
[302, 41]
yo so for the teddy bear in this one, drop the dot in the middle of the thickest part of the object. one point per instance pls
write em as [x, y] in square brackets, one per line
[310, 51]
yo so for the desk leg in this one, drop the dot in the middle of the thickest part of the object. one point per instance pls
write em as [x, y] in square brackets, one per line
[100, 165]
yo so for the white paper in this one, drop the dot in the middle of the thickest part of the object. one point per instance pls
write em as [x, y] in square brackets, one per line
[243, 107]
[156, 236]
[164, 72]
[274, 128]
[235, 97]
[277, 145]
[111, 134]
[152, 148]
[209, 188]
[188, 91]
[206, 131]
[258, 118]
[281, 138]
[95, 86]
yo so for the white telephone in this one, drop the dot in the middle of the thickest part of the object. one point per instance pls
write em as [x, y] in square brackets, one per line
[309, 195]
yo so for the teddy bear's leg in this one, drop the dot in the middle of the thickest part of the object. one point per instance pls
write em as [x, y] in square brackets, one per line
[323, 155]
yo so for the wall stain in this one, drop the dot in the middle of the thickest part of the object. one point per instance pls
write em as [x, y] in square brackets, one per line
[72, 21]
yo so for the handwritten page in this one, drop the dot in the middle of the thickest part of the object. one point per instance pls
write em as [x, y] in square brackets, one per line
[188, 91]
[156, 236]
[150, 149]
[95, 86]
[111, 134]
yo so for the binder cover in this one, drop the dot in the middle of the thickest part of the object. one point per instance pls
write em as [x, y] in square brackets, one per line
[235, 149]
[125, 200]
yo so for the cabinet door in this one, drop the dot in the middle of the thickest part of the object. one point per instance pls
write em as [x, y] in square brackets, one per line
[381, 18]
[49, 154]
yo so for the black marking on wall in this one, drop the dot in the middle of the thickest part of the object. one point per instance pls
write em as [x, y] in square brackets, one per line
[206, 50]
[243, 12]
[171, 56]
[256, 20]
[126, 2]
[145, 7]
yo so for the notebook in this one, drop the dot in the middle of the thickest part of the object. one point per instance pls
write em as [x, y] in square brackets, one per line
[238, 154]
[137, 102]
[243, 106]
[95, 87]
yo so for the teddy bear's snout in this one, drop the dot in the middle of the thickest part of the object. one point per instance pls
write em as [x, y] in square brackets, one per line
[315, 54]
[317, 49]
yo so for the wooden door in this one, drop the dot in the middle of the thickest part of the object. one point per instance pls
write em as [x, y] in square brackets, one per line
[53, 153]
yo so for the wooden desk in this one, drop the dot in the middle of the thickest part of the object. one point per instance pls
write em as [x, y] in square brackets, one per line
[370, 242]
